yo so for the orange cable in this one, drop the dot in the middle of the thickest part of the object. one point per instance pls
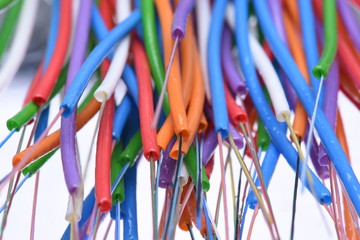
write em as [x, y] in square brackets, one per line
[300, 120]
[349, 224]
[176, 100]
[53, 140]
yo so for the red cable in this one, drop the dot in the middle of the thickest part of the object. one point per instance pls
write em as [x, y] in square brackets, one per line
[104, 150]
[45, 87]
[146, 105]
[236, 113]
[210, 167]
[34, 84]
[268, 51]
[357, 2]
[350, 90]
[107, 13]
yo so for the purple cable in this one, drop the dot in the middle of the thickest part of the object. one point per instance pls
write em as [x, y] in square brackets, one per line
[277, 16]
[68, 125]
[209, 144]
[232, 77]
[350, 22]
[211, 140]
[167, 168]
[182, 12]
[322, 171]
[330, 107]
[289, 90]
[238, 139]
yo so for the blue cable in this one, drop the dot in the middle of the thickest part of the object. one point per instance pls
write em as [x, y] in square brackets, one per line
[326, 133]
[215, 72]
[131, 83]
[243, 219]
[267, 168]
[26, 177]
[121, 115]
[117, 221]
[132, 125]
[98, 24]
[128, 206]
[42, 123]
[7, 137]
[139, 27]
[271, 124]
[309, 39]
[94, 60]
[207, 218]
[53, 32]
[86, 213]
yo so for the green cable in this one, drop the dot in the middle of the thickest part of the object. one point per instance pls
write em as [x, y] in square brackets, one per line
[5, 3]
[330, 45]
[263, 139]
[35, 166]
[22, 117]
[132, 150]
[190, 163]
[152, 49]
[118, 193]
[29, 111]
[8, 26]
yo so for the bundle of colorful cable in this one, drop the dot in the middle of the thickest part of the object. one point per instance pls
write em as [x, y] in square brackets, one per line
[170, 118]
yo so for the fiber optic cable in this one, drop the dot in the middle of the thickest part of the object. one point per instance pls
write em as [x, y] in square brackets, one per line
[92, 62]
[326, 134]
[68, 125]
[323, 66]
[264, 111]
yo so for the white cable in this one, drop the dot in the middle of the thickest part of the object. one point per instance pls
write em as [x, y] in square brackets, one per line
[184, 175]
[120, 92]
[230, 15]
[266, 70]
[75, 206]
[107, 87]
[203, 17]
[271, 79]
[75, 211]
[20, 43]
